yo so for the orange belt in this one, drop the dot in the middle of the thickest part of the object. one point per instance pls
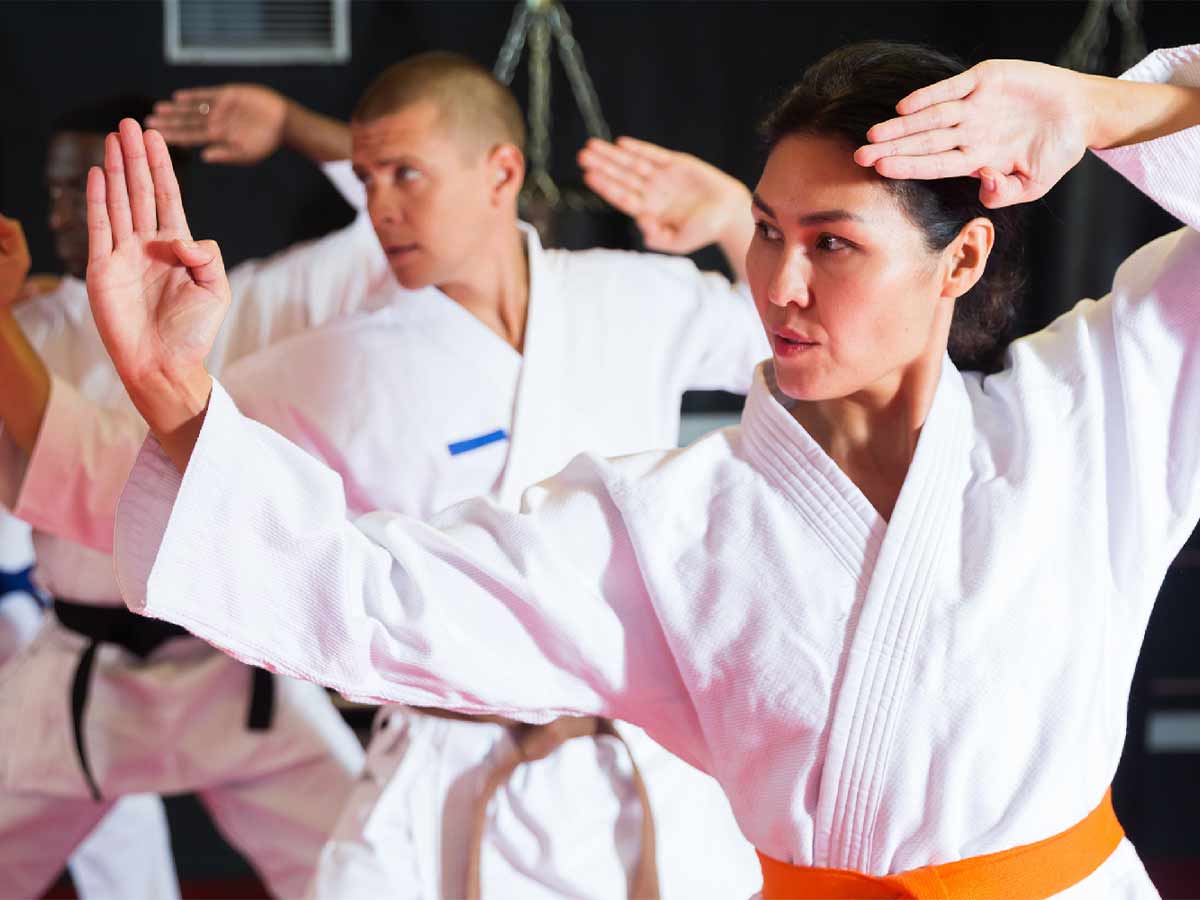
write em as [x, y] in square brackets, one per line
[1033, 871]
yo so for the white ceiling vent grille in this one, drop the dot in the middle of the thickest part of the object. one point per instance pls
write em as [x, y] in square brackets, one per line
[278, 32]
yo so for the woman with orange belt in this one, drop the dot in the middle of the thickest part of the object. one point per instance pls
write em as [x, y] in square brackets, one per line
[895, 613]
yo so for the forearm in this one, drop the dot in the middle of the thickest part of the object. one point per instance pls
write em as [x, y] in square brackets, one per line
[24, 384]
[1129, 112]
[320, 138]
[174, 407]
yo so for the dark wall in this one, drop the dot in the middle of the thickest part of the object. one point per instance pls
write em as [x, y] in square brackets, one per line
[695, 76]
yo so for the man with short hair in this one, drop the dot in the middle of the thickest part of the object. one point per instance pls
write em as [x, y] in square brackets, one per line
[494, 364]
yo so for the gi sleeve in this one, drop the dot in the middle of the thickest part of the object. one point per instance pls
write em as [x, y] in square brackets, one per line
[532, 614]
[705, 326]
[1132, 359]
[342, 176]
[70, 484]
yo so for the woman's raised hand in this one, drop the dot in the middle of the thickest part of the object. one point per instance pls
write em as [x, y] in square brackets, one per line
[158, 297]
[1017, 126]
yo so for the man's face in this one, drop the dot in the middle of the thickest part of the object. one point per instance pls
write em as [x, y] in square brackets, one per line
[68, 159]
[429, 197]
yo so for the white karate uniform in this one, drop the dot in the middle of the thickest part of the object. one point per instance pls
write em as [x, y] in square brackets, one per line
[176, 721]
[612, 341]
[872, 695]
[128, 855]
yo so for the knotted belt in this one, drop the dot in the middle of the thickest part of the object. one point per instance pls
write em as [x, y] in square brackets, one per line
[141, 637]
[1029, 872]
[534, 742]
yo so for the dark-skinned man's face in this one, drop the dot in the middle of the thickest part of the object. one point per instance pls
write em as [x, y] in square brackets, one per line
[70, 155]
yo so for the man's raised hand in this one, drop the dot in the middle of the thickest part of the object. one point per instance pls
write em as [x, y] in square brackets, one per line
[680, 202]
[158, 297]
[234, 123]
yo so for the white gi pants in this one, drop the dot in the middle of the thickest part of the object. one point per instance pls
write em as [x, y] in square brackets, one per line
[173, 723]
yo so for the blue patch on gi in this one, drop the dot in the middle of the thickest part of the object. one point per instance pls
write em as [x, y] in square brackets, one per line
[476, 442]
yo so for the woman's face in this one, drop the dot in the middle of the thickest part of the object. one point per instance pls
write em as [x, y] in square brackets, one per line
[848, 292]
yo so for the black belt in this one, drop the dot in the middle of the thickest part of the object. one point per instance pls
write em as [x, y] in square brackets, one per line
[141, 637]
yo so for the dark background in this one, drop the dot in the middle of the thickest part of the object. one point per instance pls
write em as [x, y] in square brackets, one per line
[692, 76]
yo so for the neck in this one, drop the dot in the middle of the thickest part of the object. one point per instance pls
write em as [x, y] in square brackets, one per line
[872, 434]
[495, 289]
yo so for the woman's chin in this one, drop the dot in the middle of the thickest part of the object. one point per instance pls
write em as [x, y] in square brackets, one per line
[800, 385]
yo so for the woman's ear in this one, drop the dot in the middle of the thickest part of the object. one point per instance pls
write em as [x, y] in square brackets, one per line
[966, 257]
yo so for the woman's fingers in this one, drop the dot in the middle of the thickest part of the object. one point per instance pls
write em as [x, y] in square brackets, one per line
[167, 200]
[115, 192]
[137, 177]
[203, 261]
[943, 115]
[924, 144]
[954, 88]
[997, 189]
[100, 243]
[949, 164]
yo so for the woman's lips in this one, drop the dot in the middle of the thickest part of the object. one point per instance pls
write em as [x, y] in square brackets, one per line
[790, 344]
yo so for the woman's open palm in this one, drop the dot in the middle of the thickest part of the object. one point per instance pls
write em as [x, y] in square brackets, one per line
[158, 296]
[1017, 126]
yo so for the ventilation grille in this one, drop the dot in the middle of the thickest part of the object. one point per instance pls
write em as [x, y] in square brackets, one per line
[269, 32]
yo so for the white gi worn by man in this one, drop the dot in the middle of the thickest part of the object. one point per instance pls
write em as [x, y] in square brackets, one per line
[844, 677]
[609, 343]
[612, 341]
[128, 855]
[270, 762]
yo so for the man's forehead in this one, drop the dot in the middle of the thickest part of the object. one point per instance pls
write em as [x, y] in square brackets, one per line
[411, 122]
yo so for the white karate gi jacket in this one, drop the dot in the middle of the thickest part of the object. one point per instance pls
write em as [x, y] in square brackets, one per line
[871, 695]
[612, 341]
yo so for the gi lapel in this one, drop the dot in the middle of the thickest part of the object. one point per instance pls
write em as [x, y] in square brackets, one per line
[536, 440]
[885, 633]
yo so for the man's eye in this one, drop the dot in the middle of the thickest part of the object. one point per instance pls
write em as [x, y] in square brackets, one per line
[408, 173]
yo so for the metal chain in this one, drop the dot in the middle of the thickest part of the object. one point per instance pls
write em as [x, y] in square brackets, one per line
[571, 55]
[514, 43]
[539, 109]
[537, 22]
[1085, 50]
[1133, 39]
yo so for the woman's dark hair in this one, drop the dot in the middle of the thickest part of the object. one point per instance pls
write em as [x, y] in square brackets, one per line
[851, 89]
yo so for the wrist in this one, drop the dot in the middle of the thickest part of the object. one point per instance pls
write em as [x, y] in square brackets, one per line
[168, 401]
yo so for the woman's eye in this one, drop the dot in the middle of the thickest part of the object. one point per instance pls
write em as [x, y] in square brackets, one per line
[766, 231]
[829, 242]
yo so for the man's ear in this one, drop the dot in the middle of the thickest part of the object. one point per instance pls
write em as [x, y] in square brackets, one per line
[506, 164]
[966, 257]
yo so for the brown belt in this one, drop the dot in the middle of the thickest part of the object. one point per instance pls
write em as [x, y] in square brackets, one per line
[534, 742]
